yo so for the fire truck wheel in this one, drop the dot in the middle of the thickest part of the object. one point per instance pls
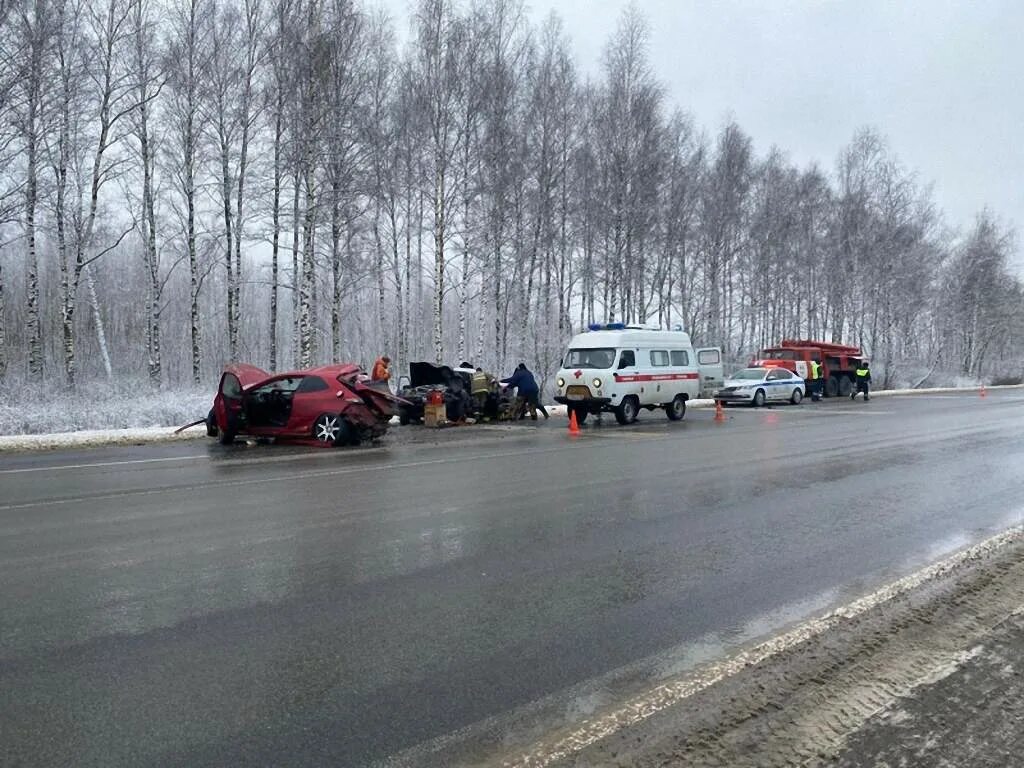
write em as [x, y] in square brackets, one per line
[759, 398]
[796, 397]
[676, 409]
[831, 387]
[845, 387]
[627, 410]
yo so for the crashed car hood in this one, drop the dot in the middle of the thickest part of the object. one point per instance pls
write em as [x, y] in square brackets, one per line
[428, 375]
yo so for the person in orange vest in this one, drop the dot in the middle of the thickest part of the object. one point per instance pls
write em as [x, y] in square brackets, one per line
[381, 369]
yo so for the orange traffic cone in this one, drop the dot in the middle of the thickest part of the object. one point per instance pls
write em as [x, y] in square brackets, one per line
[719, 411]
[982, 393]
[574, 427]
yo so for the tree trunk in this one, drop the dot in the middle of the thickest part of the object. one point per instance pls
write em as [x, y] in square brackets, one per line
[32, 325]
[275, 214]
[3, 323]
[439, 222]
[308, 274]
[97, 318]
[296, 272]
[335, 276]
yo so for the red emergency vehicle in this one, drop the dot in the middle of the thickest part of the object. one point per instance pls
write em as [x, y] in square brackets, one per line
[839, 362]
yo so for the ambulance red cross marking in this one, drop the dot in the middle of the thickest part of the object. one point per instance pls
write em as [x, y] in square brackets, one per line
[577, 374]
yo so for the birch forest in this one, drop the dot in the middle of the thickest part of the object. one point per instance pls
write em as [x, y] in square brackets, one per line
[185, 183]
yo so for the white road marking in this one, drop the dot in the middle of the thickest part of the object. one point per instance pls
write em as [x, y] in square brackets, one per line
[276, 478]
[124, 462]
[639, 708]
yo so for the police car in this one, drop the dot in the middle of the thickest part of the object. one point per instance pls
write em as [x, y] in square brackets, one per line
[760, 385]
[622, 369]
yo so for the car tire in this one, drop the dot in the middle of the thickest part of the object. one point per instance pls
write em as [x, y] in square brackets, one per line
[626, 411]
[676, 409]
[211, 424]
[831, 387]
[327, 429]
[348, 435]
[797, 397]
[227, 436]
[759, 399]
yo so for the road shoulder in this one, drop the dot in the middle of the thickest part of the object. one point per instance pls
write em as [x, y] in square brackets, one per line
[835, 696]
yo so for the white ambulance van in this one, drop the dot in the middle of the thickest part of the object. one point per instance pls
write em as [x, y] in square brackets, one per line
[621, 368]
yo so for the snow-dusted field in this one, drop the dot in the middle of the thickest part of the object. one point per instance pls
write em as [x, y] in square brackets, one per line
[119, 407]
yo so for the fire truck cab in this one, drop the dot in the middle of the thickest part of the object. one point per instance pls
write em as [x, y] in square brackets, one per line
[621, 368]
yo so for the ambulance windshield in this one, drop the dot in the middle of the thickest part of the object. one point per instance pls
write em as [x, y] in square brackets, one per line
[589, 358]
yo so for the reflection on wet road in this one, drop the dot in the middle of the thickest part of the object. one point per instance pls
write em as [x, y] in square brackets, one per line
[189, 604]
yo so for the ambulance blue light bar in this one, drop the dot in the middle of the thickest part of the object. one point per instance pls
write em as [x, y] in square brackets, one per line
[606, 327]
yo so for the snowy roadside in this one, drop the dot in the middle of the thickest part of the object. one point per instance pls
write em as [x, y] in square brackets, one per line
[94, 437]
[137, 436]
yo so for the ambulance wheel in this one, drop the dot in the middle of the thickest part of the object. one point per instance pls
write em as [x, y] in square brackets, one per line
[759, 399]
[797, 397]
[676, 409]
[831, 387]
[627, 410]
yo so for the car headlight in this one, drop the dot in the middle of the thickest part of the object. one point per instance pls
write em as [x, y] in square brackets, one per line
[560, 382]
[596, 383]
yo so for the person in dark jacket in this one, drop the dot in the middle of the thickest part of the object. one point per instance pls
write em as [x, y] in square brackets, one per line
[863, 376]
[527, 390]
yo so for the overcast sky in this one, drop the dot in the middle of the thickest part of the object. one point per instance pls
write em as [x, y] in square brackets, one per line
[941, 80]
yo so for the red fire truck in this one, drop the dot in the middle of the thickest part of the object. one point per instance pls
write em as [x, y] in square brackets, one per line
[838, 362]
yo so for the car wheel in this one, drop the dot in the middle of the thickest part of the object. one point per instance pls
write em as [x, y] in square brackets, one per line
[759, 398]
[227, 437]
[211, 424]
[327, 429]
[627, 410]
[349, 435]
[677, 408]
[797, 396]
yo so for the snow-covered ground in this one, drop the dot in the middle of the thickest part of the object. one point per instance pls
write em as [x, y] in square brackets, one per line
[100, 406]
[93, 437]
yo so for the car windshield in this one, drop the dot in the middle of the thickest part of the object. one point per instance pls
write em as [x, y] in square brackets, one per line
[589, 358]
[751, 374]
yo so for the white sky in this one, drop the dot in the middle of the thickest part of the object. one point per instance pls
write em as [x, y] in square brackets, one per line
[941, 80]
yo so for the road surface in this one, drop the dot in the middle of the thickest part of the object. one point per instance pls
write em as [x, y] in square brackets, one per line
[443, 598]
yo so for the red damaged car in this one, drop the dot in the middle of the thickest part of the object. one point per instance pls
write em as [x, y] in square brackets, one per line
[330, 405]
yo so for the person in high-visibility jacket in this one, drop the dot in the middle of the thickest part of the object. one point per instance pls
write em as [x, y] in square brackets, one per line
[863, 376]
[381, 369]
[815, 380]
[480, 385]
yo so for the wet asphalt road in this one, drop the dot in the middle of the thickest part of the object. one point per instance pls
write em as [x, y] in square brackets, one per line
[188, 604]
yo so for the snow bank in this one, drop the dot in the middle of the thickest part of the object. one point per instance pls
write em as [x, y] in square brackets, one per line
[93, 437]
